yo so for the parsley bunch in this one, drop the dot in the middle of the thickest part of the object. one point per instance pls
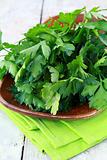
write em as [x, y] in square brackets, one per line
[59, 66]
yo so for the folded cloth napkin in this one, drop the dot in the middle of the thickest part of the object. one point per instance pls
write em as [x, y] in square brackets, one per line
[61, 139]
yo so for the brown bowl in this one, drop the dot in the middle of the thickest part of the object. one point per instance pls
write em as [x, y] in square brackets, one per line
[7, 99]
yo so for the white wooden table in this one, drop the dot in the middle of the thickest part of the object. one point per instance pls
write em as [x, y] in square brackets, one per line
[16, 16]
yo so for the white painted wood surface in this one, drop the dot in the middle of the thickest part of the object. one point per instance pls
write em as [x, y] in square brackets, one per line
[16, 16]
[11, 140]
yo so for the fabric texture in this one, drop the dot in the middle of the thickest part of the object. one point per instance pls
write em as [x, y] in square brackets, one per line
[61, 139]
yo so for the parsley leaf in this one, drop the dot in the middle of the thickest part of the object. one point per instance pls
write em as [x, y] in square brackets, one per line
[45, 49]
[54, 74]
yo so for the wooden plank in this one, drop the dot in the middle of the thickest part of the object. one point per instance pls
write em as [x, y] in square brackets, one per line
[15, 18]
[19, 16]
[32, 153]
[11, 139]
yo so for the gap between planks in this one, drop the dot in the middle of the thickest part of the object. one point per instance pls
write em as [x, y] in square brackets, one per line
[23, 146]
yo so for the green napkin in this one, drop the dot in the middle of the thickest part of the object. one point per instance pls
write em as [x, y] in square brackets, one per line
[60, 139]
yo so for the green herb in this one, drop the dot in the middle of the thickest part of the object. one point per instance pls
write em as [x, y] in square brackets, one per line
[58, 66]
